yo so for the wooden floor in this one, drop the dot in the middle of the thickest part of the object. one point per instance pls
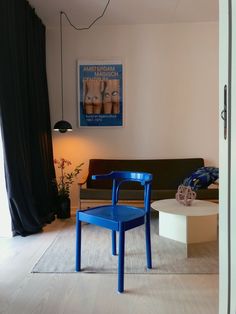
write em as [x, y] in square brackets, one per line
[22, 292]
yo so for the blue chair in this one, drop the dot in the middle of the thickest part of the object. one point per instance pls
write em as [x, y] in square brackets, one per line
[118, 218]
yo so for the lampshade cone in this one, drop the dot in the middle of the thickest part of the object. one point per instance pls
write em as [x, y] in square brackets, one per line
[62, 126]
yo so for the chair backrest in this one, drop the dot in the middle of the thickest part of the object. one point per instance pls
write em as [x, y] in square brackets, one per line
[119, 177]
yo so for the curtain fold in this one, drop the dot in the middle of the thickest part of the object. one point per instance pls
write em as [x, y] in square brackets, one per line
[25, 118]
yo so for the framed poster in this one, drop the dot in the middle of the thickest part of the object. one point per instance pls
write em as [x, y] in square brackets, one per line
[100, 93]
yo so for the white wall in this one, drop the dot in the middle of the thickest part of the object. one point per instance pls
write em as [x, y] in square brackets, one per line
[171, 91]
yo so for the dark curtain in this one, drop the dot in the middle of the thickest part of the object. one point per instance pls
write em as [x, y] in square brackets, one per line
[25, 118]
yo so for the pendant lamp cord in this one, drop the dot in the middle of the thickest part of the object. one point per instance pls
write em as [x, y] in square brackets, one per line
[78, 29]
[93, 22]
[61, 39]
[62, 96]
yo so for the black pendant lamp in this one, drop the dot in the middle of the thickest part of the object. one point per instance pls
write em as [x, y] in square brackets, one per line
[62, 125]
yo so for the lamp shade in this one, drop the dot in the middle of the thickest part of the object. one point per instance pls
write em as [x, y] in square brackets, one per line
[62, 126]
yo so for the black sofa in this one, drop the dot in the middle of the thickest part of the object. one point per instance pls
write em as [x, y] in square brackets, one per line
[168, 174]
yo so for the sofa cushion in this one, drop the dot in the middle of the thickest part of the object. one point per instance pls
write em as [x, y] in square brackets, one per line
[105, 194]
[202, 178]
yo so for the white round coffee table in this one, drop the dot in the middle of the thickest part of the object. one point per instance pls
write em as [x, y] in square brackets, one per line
[187, 224]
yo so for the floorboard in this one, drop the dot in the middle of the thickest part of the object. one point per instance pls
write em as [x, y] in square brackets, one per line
[22, 292]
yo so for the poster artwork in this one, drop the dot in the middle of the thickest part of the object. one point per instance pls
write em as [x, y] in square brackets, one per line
[101, 94]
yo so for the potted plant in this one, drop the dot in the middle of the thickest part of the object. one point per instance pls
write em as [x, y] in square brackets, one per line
[63, 183]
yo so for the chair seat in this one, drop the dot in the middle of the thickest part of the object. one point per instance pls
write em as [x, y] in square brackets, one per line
[112, 216]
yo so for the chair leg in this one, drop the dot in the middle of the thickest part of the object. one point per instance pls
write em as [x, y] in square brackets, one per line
[148, 242]
[78, 244]
[121, 260]
[113, 242]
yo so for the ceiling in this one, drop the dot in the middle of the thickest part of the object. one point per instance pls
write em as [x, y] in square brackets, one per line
[125, 12]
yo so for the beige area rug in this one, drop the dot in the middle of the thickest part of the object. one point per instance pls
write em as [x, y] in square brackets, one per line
[168, 256]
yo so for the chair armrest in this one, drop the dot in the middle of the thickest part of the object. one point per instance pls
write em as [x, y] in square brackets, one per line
[102, 176]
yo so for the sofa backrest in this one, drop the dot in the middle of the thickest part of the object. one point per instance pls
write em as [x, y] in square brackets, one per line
[167, 173]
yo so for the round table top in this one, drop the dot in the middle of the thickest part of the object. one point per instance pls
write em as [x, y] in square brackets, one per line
[198, 207]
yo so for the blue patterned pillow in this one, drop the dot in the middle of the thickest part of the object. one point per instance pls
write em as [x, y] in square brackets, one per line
[202, 178]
